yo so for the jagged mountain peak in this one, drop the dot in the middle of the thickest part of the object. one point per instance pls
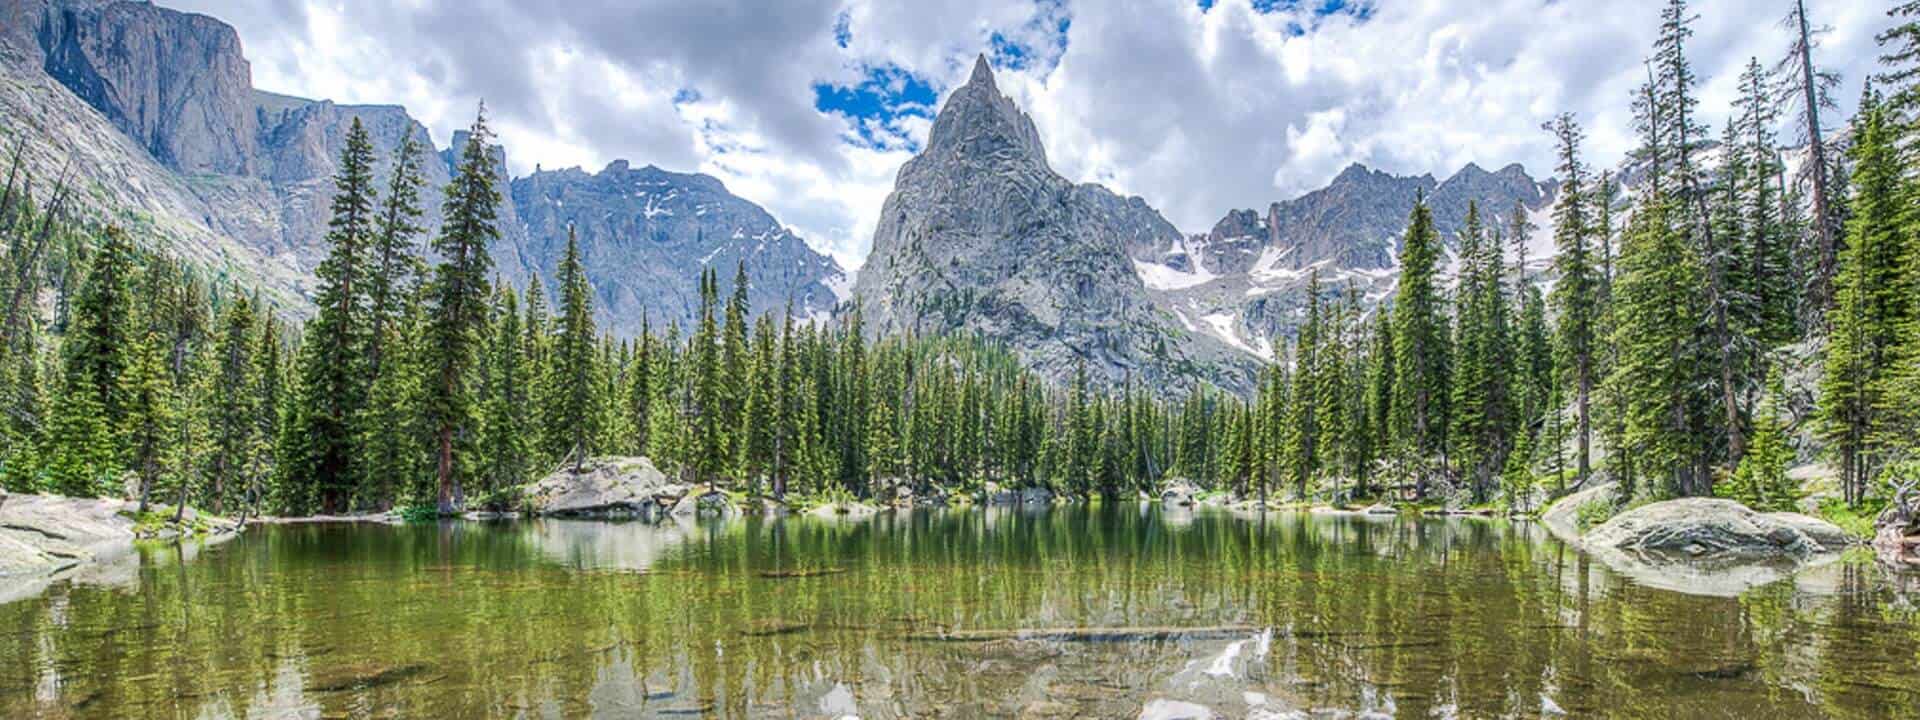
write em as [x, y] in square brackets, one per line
[981, 122]
[982, 72]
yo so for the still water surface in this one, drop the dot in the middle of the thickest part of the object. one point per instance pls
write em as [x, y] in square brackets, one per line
[1304, 616]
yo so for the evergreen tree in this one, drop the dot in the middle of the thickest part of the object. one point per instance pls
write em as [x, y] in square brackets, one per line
[1873, 305]
[1656, 314]
[459, 311]
[150, 414]
[395, 262]
[233, 407]
[572, 420]
[333, 374]
[1573, 298]
[1420, 347]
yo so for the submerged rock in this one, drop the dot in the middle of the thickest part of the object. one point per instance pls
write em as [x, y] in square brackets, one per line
[604, 487]
[1712, 527]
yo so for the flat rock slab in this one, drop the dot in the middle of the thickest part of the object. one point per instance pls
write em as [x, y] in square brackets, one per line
[1716, 528]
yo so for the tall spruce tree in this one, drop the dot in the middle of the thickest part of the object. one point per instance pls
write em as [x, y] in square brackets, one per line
[572, 420]
[1573, 298]
[333, 377]
[1420, 348]
[459, 312]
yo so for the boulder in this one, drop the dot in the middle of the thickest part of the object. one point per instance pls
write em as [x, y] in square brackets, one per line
[604, 487]
[852, 509]
[1562, 518]
[1380, 509]
[1716, 528]
[1178, 492]
[1036, 496]
[934, 498]
[711, 503]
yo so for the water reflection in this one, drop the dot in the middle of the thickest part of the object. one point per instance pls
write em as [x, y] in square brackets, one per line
[922, 615]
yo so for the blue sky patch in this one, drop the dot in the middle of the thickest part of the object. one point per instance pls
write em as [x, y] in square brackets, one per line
[1358, 9]
[1037, 45]
[887, 94]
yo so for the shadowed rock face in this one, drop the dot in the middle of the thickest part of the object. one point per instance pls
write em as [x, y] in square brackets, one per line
[980, 235]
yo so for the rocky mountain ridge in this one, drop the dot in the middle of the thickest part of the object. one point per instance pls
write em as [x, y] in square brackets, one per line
[981, 235]
[239, 180]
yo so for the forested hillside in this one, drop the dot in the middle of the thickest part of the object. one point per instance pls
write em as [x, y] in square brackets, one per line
[1655, 355]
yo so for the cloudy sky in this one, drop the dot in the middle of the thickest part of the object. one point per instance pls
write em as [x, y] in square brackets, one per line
[809, 107]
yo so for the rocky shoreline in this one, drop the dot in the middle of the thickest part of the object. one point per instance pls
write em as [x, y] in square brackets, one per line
[44, 538]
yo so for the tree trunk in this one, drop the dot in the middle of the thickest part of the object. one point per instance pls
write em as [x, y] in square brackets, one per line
[1822, 230]
[445, 471]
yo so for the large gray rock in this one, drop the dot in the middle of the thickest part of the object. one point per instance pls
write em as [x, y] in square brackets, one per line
[1562, 518]
[1178, 492]
[1716, 528]
[981, 236]
[605, 487]
[45, 536]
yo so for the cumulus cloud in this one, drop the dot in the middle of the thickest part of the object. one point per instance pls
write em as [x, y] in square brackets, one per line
[1197, 106]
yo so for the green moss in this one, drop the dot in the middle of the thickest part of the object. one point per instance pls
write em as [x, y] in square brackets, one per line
[1858, 522]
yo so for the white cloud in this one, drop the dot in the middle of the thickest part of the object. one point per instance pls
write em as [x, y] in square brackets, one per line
[1198, 112]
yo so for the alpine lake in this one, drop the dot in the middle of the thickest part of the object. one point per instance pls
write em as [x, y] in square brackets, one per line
[1116, 610]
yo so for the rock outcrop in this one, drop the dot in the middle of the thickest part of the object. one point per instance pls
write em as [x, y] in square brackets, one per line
[980, 235]
[1698, 546]
[1179, 492]
[604, 487]
[1716, 528]
[646, 233]
[43, 535]
[153, 112]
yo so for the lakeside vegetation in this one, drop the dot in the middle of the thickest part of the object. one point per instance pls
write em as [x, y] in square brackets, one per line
[1658, 359]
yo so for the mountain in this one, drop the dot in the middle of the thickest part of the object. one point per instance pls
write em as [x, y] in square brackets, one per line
[153, 112]
[1244, 281]
[645, 233]
[981, 235]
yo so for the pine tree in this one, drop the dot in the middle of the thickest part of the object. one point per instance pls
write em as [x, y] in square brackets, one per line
[1304, 439]
[333, 374]
[1807, 88]
[98, 339]
[1656, 312]
[150, 414]
[503, 425]
[1573, 297]
[571, 420]
[233, 409]
[1420, 347]
[1483, 352]
[1873, 304]
[394, 261]
[1761, 480]
[710, 457]
[459, 309]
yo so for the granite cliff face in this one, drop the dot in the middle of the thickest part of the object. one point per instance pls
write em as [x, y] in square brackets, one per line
[240, 180]
[646, 233]
[981, 235]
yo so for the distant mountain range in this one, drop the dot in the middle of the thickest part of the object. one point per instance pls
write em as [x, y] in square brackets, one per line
[152, 111]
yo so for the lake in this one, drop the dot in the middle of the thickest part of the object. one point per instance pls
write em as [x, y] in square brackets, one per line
[1114, 610]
